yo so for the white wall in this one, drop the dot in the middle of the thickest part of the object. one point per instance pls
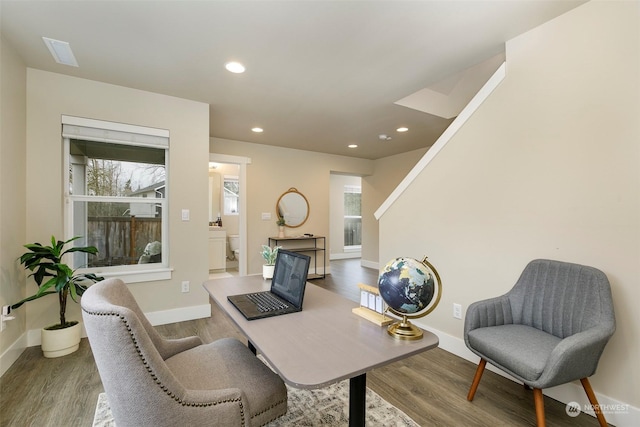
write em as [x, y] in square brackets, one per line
[51, 95]
[13, 116]
[548, 167]
[388, 172]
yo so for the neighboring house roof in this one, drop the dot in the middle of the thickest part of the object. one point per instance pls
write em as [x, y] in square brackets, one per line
[153, 187]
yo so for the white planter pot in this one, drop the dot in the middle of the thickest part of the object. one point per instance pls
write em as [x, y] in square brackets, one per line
[267, 271]
[60, 342]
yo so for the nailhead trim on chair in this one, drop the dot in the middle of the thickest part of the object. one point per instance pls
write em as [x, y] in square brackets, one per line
[155, 378]
[268, 409]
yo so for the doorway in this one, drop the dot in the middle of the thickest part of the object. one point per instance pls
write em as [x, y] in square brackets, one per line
[232, 204]
[346, 216]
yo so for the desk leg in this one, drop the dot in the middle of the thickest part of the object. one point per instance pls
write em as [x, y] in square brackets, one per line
[251, 347]
[357, 394]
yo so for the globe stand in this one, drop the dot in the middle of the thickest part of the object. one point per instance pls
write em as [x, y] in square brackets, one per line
[404, 330]
[408, 287]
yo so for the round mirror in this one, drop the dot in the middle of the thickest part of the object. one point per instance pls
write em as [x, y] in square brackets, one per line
[293, 207]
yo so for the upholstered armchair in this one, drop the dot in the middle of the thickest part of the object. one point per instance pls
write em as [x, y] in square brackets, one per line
[550, 329]
[153, 381]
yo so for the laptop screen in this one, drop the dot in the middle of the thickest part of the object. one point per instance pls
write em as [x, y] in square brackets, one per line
[290, 276]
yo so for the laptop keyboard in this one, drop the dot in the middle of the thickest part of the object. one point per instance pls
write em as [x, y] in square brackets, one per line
[266, 302]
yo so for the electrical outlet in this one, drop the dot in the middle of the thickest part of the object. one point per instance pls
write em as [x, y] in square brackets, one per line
[457, 311]
[185, 286]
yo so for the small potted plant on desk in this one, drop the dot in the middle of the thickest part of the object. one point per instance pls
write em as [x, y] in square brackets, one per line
[269, 256]
[46, 262]
[280, 223]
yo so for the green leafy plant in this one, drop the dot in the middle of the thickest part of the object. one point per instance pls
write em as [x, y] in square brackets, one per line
[269, 254]
[280, 221]
[53, 276]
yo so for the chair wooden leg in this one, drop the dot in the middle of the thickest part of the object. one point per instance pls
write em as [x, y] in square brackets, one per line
[594, 402]
[538, 400]
[476, 379]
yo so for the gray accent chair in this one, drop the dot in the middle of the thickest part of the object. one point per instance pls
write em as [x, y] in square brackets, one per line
[550, 329]
[153, 381]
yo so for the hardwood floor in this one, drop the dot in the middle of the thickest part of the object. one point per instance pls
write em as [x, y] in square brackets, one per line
[345, 276]
[431, 387]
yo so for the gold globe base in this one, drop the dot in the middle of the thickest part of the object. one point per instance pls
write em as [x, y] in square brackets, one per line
[404, 330]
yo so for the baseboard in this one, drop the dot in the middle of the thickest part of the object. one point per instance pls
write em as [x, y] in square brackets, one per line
[370, 264]
[345, 255]
[617, 413]
[32, 337]
[179, 314]
[12, 354]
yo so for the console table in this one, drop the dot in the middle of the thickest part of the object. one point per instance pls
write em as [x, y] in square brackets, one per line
[309, 244]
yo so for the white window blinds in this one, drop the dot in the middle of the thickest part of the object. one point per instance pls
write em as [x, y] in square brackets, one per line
[97, 130]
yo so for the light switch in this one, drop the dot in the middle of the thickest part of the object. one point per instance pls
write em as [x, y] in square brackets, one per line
[266, 216]
[185, 214]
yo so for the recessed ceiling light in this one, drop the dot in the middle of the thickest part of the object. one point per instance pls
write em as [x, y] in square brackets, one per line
[61, 51]
[402, 129]
[234, 67]
[384, 137]
[352, 145]
[257, 130]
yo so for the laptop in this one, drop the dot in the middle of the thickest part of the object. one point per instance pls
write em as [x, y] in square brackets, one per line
[287, 289]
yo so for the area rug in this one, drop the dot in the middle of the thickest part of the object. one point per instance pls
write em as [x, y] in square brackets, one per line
[327, 406]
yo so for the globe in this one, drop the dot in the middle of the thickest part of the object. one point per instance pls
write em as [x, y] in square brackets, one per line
[408, 287]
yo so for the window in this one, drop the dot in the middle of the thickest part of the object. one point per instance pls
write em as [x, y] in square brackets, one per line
[116, 198]
[231, 195]
[352, 217]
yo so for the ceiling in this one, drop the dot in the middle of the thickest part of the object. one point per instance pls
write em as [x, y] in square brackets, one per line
[320, 74]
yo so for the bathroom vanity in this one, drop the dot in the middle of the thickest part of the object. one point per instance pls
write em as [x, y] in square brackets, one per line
[217, 248]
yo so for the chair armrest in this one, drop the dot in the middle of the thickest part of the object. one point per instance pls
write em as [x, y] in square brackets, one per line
[489, 312]
[209, 396]
[575, 357]
[170, 347]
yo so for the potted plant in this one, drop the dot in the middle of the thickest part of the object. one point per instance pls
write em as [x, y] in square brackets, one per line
[54, 277]
[280, 223]
[269, 256]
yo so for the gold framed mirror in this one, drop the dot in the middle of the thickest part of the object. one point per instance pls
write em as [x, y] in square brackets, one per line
[293, 206]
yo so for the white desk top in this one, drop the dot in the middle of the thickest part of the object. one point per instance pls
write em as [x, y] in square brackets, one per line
[322, 344]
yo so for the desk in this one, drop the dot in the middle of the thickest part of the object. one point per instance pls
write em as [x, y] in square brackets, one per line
[323, 344]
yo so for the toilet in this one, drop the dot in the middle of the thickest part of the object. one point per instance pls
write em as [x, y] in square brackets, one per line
[234, 245]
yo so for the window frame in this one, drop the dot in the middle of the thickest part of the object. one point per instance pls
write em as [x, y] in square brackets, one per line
[130, 135]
